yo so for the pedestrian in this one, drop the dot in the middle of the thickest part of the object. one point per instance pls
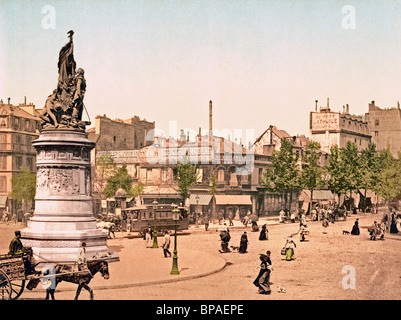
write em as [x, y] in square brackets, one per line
[355, 229]
[206, 221]
[221, 216]
[255, 227]
[393, 225]
[243, 243]
[381, 230]
[166, 244]
[264, 233]
[245, 220]
[289, 248]
[292, 218]
[230, 218]
[225, 239]
[148, 237]
[16, 246]
[281, 218]
[373, 231]
[262, 280]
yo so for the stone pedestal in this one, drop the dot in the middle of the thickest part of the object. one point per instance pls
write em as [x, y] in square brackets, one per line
[63, 216]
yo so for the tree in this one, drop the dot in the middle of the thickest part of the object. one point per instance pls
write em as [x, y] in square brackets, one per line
[138, 189]
[121, 179]
[351, 166]
[312, 173]
[105, 168]
[334, 168]
[186, 176]
[389, 177]
[283, 175]
[24, 186]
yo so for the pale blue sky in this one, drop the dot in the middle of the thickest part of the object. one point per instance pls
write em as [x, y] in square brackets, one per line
[261, 62]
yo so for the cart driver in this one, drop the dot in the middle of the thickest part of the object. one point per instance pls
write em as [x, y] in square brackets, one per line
[16, 246]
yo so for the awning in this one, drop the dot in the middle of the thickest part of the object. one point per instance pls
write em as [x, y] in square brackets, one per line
[203, 199]
[3, 201]
[233, 200]
[322, 195]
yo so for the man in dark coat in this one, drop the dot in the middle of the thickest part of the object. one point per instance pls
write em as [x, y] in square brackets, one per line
[16, 246]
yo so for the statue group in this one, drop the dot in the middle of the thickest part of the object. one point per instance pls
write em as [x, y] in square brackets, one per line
[63, 108]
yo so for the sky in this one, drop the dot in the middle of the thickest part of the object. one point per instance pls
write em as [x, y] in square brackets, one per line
[261, 62]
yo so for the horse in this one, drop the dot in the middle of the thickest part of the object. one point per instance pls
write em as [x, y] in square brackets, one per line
[82, 278]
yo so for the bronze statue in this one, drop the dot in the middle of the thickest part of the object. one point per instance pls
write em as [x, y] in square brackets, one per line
[63, 108]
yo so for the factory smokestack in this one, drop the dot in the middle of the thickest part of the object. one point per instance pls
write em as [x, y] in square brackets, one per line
[210, 118]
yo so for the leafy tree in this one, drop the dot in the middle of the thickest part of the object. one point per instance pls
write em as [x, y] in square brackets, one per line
[24, 186]
[138, 189]
[388, 184]
[121, 179]
[186, 176]
[312, 173]
[105, 168]
[283, 175]
[351, 166]
[334, 167]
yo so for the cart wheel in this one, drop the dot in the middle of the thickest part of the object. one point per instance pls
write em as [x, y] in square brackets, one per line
[5, 286]
[17, 286]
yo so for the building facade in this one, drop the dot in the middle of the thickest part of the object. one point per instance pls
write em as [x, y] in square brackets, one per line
[331, 128]
[19, 126]
[385, 127]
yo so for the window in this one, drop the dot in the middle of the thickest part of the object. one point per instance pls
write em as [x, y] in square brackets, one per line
[377, 122]
[18, 162]
[220, 176]
[3, 184]
[3, 162]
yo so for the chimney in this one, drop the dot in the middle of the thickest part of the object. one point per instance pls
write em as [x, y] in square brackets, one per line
[24, 100]
[316, 105]
[210, 118]
[8, 100]
[347, 110]
[328, 106]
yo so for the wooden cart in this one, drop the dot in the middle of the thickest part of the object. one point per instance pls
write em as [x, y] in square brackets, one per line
[13, 275]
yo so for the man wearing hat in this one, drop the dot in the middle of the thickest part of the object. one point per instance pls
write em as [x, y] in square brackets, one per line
[16, 246]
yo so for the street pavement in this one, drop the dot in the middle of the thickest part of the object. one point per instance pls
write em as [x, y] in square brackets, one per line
[141, 266]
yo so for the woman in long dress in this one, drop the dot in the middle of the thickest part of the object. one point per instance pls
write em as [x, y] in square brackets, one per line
[289, 248]
[243, 246]
[262, 280]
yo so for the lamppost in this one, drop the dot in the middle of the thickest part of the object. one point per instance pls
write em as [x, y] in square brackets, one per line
[176, 218]
[154, 245]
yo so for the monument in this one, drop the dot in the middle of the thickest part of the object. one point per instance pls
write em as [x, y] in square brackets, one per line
[63, 216]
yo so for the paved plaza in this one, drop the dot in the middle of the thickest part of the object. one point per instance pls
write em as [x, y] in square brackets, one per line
[318, 271]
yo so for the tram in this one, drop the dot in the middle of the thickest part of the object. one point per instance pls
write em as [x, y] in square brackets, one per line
[143, 217]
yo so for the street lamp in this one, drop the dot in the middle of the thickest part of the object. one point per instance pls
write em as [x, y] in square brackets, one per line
[176, 218]
[154, 245]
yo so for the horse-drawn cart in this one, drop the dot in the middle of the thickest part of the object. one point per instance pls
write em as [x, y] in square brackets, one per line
[15, 270]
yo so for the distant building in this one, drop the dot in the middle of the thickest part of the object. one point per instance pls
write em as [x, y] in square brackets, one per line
[19, 126]
[331, 128]
[385, 127]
